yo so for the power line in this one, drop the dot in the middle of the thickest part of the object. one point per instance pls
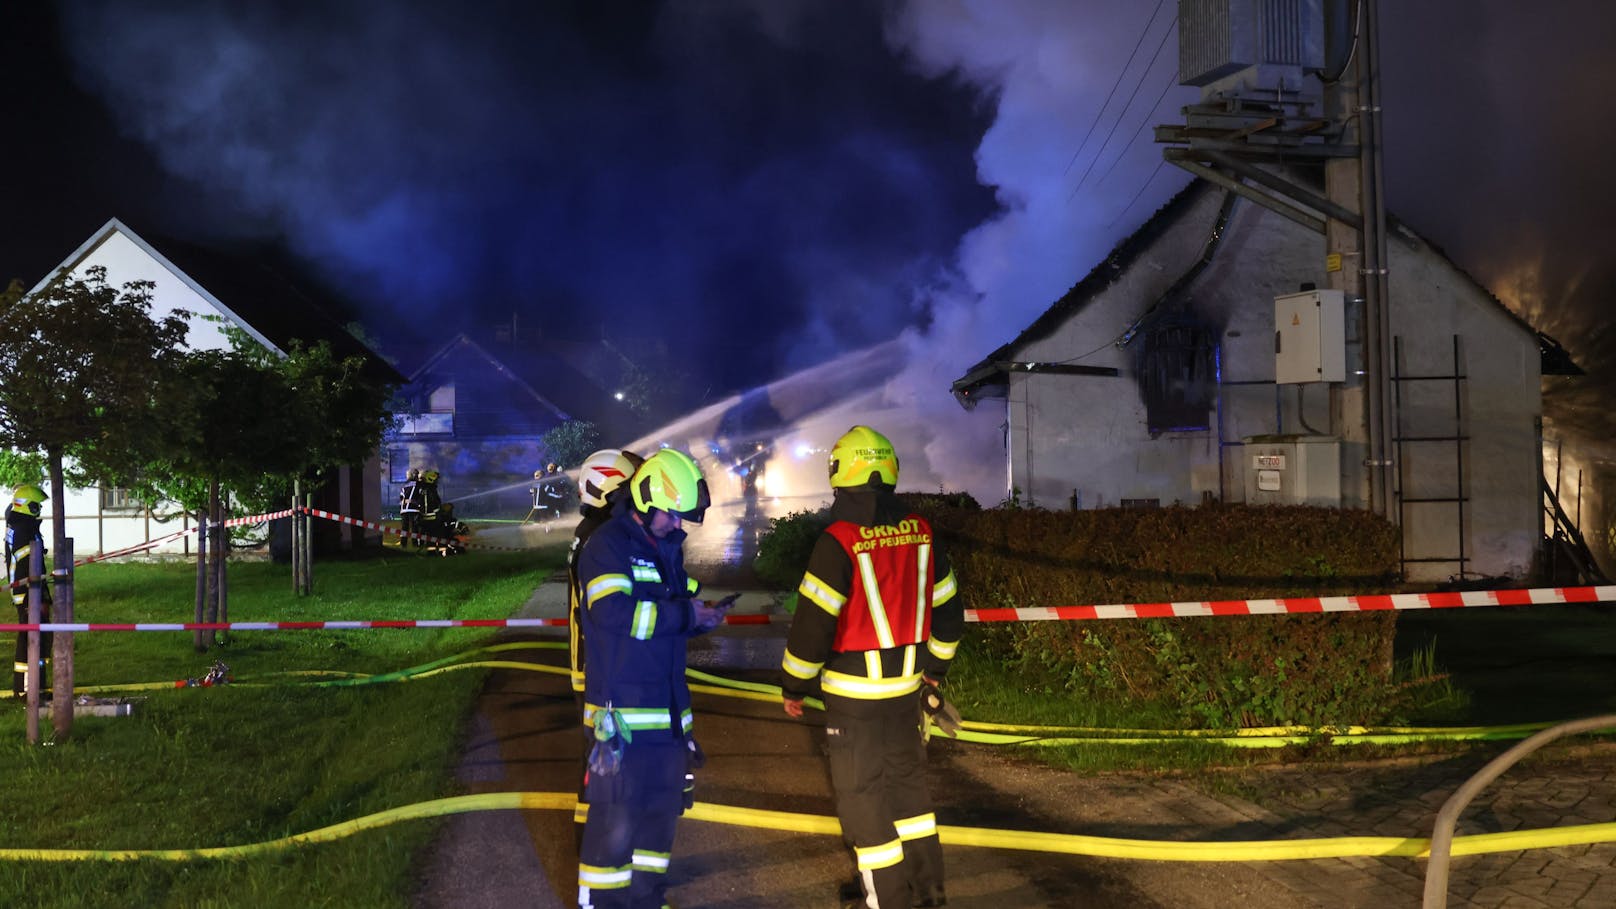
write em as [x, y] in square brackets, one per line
[1136, 86]
[1101, 112]
[1135, 199]
[1172, 79]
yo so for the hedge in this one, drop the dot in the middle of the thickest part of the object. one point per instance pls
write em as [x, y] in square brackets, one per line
[1208, 672]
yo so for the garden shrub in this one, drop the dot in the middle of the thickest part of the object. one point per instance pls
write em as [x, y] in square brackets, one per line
[1314, 669]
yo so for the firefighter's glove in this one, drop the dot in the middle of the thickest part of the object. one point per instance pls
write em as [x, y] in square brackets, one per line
[606, 756]
[935, 711]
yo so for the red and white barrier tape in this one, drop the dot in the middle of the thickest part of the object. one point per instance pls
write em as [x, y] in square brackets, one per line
[152, 544]
[419, 537]
[1534, 596]
[284, 626]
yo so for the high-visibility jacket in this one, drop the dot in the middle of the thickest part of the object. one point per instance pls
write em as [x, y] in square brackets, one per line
[593, 518]
[877, 607]
[637, 617]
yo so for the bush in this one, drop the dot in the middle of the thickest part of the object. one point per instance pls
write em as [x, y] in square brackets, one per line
[785, 547]
[1227, 671]
[1204, 672]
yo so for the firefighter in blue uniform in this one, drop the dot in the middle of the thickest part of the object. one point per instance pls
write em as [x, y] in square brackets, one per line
[640, 608]
[602, 481]
[878, 625]
[22, 536]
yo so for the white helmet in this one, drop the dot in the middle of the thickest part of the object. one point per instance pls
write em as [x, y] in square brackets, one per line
[603, 472]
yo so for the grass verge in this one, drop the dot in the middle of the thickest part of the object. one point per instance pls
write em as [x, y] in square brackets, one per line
[244, 763]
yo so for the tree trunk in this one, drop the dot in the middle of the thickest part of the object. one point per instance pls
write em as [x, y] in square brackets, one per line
[199, 638]
[221, 560]
[62, 610]
[215, 555]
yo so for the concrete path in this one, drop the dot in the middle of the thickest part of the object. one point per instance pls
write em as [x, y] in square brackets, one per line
[524, 737]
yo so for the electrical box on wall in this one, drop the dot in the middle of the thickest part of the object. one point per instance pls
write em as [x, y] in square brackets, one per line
[1310, 337]
[1293, 470]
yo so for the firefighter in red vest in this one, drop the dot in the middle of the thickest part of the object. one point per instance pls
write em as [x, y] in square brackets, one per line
[877, 625]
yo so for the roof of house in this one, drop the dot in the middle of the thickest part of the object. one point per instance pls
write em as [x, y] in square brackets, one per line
[993, 368]
[247, 289]
[548, 388]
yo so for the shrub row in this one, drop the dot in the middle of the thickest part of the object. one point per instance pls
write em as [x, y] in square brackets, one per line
[1207, 672]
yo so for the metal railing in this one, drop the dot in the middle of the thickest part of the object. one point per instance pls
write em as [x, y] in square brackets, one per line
[1436, 872]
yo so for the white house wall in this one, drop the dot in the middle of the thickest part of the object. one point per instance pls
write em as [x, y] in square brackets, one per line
[126, 261]
[94, 527]
[1084, 440]
[1500, 401]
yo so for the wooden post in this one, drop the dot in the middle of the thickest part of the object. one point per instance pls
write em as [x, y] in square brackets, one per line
[62, 644]
[215, 545]
[297, 533]
[36, 568]
[198, 638]
[308, 545]
[221, 559]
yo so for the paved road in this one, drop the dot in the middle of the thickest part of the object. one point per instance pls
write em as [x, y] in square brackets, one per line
[524, 737]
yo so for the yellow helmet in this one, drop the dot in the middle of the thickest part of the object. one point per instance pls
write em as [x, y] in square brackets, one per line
[603, 473]
[860, 456]
[671, 481]
[430, 476]
[29, 499]
[538, 474]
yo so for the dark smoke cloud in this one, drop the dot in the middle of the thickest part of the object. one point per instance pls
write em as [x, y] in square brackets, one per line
[781, 181]
[760, 184]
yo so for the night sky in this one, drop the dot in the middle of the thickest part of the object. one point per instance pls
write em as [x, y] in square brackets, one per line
[764, 184]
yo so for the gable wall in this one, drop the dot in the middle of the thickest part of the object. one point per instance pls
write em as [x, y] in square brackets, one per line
[1084, 440]
[125, 261]
[97, 528]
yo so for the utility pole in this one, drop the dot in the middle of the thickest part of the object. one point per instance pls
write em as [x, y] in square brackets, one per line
[1355, 254]
[1262, 122]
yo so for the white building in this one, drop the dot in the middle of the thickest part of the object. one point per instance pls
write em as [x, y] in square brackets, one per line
[244, 293]
[1153, 382]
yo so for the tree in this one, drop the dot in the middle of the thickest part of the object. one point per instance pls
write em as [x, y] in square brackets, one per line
[568, 444]
[257, 420]
[85, 371]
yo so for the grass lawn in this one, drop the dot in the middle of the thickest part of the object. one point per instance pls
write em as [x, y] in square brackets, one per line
[263, 758]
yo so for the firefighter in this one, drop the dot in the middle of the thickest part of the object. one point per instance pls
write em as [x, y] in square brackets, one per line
[877, 627]
[431, 500]
[410, 498]
[640, 608]
[549, 492]
[602, 481]
[22, 535]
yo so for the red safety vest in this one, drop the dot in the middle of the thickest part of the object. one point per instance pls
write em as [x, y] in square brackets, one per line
[889, 604]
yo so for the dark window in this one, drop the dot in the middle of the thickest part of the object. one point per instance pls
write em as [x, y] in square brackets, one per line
[398, 465]
[1178, 375]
